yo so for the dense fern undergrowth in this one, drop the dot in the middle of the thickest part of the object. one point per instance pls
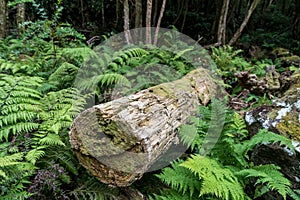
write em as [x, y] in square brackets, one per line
[38, 102]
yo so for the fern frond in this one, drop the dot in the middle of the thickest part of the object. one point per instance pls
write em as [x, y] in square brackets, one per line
[52, 140]
[180, 179]
[64, 75]
[216, 180]
[270, 176]
[65, 157]
[172, 194]
[78, 55]
[35, 154]
[264, 137]
[10, 160]
[19, 104]
[93, 189]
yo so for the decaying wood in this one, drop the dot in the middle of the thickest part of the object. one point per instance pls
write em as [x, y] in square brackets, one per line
[120, 140]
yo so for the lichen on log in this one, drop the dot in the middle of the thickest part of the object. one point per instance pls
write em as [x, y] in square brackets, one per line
[119, 141]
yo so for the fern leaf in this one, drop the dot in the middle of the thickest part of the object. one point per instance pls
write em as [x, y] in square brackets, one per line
[217, 181]
[172, 194]
[264, 137]
[11, 159]
[19, 104]
[52, 140]
[35, 154]
[270, 176]
[180, 179]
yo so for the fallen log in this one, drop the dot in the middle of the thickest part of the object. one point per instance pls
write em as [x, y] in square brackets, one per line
[120, 140]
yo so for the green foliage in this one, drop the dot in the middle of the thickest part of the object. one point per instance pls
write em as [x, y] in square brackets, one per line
[226, 170]
[228, 60]
[264, 137]
[93, 189]
[19, 104]
[268, 178]
[202, 177]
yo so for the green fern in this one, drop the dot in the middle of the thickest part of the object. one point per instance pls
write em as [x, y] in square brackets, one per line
[217, 181]
[19, 104]
[268, 179]
[180, 179]
[58, 110]
[201, 177]
[94, 190]
[264, 137]
[172, 194]
[14, 176]
[64, 75]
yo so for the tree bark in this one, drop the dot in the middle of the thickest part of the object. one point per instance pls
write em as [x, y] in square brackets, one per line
[3, 14]
[148, 22]
[185, 14]
[222, 23]
[161, 14]
[138, 14]
[296, 21]
[126, 23]
[120, 140]
[243, 25]
[117, 13]
[20, 16]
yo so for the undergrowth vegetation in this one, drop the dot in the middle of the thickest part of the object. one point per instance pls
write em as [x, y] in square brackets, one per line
[39, 100]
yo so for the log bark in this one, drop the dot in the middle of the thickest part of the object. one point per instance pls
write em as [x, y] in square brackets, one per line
[119, 141]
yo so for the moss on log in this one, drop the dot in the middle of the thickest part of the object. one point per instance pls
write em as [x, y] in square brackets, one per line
[120, 140]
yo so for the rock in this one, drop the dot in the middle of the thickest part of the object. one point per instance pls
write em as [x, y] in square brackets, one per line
[282, 117]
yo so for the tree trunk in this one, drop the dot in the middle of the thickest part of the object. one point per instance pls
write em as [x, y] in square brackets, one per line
[120, 140]
[180, 5]
[243, 25]
[117, 13]
[161, 14]
[185, 14]
[3, 13]
[296, 24]
[155, 12]
[148, 22]
[20, 16]
[138, 14]
[222, 23]
[102, 14]
[126, 23]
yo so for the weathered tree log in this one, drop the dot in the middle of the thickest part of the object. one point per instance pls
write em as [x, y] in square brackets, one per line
[120, 140]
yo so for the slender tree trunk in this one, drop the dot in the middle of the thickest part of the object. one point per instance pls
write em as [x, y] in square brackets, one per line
[243, 25]
[20, 16]
[218, 4]
[126, 23]
[148, 22]
[185, 14]
[102, 13]
[155, 12]
[3, 11]
[179, 12]
[82, 13]
[138, 14]
[117, 13]
[296, 24]
[222, 23]
[161, 14]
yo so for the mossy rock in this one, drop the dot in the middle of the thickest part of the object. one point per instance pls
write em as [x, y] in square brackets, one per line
[280, 52]
[291, 60]
[282, 117]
